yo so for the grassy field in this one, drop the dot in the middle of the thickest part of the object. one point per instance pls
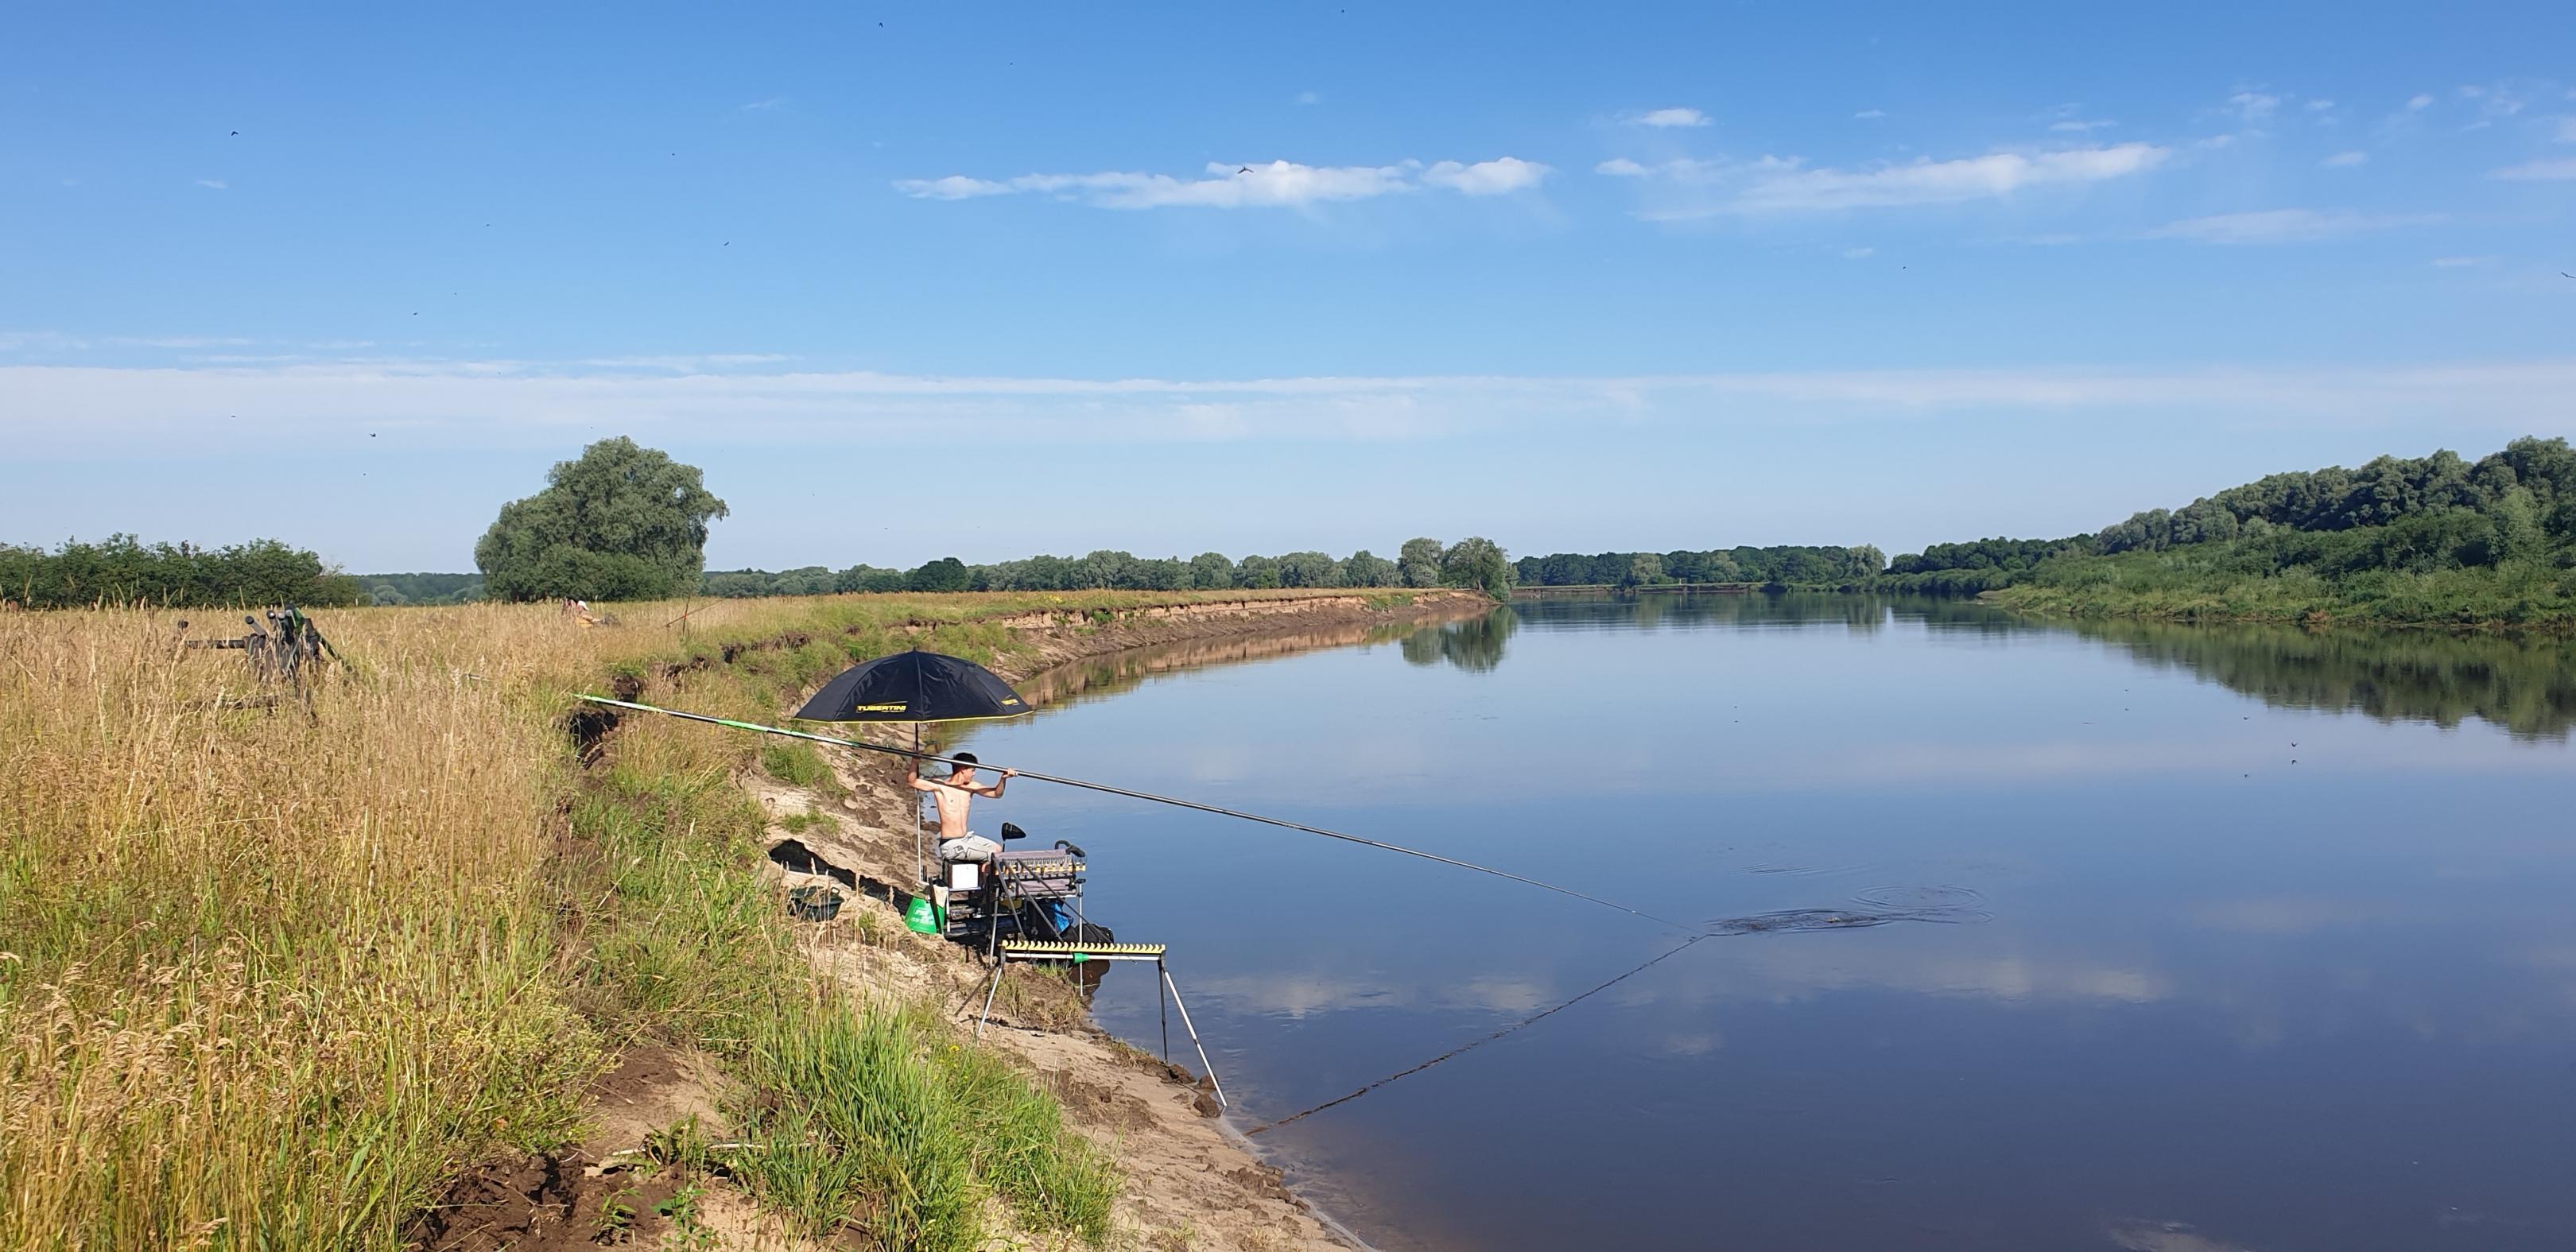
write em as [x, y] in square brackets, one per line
[271, 979]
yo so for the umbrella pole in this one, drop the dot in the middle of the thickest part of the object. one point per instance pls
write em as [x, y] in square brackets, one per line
[920, 855]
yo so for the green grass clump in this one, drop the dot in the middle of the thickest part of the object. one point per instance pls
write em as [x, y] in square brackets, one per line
[880, 1120]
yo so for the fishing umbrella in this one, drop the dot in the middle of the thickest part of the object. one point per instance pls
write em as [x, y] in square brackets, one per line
[914, 687]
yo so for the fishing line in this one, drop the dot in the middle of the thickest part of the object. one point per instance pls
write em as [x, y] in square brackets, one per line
[1531, 1020]
[1940, 905]
[1144, 795]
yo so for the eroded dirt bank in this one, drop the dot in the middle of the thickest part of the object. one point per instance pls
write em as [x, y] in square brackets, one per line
[1191, 1183]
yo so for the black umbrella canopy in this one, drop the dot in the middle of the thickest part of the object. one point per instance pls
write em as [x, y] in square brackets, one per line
[914, 687]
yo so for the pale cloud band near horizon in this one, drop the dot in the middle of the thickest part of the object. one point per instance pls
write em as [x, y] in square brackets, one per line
[1274, 184]
[80, 411]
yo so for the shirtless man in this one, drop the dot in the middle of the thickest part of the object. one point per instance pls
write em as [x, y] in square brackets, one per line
[954, 794]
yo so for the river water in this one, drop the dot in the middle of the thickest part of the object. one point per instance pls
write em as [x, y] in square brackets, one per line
[2061, 936]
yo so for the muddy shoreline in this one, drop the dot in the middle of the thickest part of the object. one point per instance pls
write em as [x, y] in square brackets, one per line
[1193, 1181]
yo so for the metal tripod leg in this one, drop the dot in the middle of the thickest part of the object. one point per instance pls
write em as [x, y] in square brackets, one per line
[1204, 1067]
[996, 989]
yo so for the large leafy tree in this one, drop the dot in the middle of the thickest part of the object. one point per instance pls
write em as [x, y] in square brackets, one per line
[1478, 562]
[624, 522]
[1418, 562]
[1366, 569]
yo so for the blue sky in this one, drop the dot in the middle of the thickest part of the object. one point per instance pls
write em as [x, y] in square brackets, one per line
[912, 282]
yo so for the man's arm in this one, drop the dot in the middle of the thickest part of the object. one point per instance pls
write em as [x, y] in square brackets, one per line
[994, 792]
[914, 777]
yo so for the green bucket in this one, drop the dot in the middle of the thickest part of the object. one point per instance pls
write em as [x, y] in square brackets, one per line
[920, 917]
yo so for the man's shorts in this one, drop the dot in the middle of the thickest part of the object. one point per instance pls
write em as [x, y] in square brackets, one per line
[968, 847]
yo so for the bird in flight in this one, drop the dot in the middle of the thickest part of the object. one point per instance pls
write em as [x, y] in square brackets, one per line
[1245, 170]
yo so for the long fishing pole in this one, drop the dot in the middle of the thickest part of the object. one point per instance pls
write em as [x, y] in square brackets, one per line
[1141, 795]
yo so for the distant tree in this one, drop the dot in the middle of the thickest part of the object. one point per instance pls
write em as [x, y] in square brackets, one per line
[1257, 572]
[1480, 563]
[1364, 569]
[1211, 571]
[735, 584]
[947, 574]
[2517, 524]
[810, 580]
[1309, 569]
[624, 522]
[1643, 568]
[1867, 561]
[1418, 561]
[1160, 574]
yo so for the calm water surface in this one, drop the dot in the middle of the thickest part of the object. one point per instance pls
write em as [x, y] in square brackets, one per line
[2200, 940]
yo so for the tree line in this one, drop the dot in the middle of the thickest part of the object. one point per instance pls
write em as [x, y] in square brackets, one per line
[2394, 514]
[1420, 562]
[1786, 565]
[124, 570]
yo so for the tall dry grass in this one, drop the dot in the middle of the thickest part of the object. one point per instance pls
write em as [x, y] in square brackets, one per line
[269, 972]
[270, 976]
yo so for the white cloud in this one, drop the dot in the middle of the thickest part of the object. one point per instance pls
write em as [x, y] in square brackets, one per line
[1277, 184]
[1621, 167]
[2282, 226]
[763, 106]
[215, 183]
[1855, 254]
[2320, 106]
[953, 187]
[1308, 97]
[1869, 115]
[1672, 117]
[2419, 102]
[2253, 106]
[2552, 169]
[1783, 185]
[2462, 262]
[2078, 126]
[2346, 160]
[1486, 178]
[2566, 129]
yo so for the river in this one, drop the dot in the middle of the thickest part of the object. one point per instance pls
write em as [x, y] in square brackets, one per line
[2018, 934]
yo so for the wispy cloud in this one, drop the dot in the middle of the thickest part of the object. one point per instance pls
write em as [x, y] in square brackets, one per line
[84, 409]
[2254, 107]
[2419, 102]
[1860, 253]
[1775, 185]
[1277, 184]
[215, 183]
[1308, 97]
[2284, 226]
[764, 106]
[2547, 169]
[2078, 126]
[2346, 160]
[2462, 262]
[1869, 115]
[1671, 117]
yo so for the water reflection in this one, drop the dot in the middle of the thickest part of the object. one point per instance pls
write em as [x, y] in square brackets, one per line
[2523, 683]
[1474, 645]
